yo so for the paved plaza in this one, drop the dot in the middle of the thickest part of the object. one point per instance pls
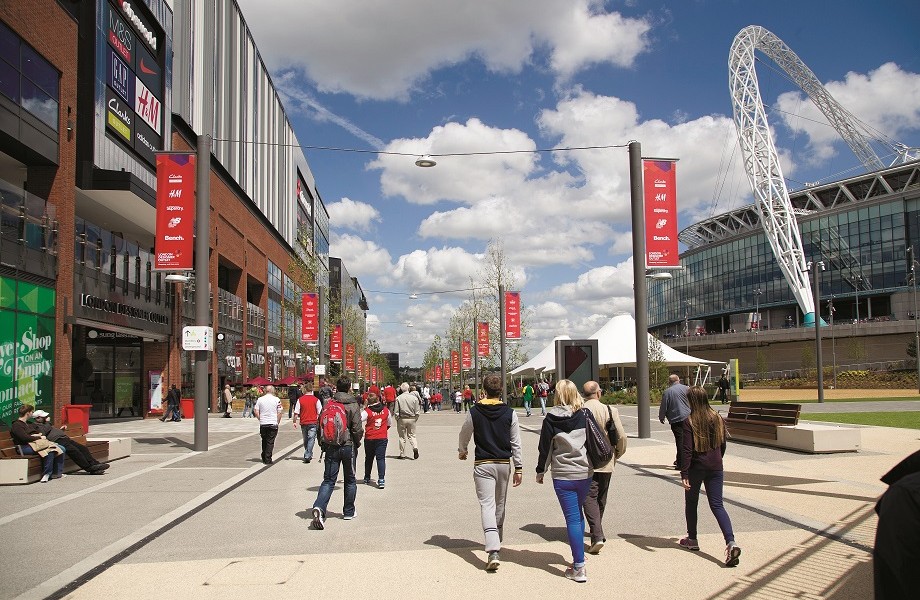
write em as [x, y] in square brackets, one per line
[172, 523]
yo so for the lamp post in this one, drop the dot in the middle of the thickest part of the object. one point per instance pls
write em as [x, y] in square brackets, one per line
[756, 327]
[639, 292]
[830, 311]
[817, 267]
[913, 276]
[501, 344]
[202, 286]
[858, 283]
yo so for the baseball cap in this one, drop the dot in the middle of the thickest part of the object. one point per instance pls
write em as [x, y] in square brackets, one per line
[40, 413]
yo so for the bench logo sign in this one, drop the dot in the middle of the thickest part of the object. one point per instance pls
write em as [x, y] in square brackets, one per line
[175, 212]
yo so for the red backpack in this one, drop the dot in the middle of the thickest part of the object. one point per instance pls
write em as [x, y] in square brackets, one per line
[333, 425]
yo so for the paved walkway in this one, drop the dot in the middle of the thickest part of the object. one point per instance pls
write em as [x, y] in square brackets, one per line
[171, 523]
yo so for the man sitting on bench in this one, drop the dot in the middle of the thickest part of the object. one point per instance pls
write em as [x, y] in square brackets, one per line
[77, 452]
[30, 441]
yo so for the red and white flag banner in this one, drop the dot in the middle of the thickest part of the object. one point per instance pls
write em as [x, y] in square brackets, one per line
[466, 354]
[660, 182]
[482, 338]
[349, 357]
[512, 315]
[335, 343]
[309, 317]
[437, 372]
[175, 220]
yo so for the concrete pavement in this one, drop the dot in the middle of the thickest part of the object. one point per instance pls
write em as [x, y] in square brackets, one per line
[171, 523]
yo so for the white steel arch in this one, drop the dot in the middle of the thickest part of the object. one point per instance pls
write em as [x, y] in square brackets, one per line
[761, 160]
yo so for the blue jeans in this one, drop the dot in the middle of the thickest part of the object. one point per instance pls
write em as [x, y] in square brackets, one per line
[527, 405]
[375, 449]
[543, 405]
[309, 437]
[572, 496]
[52, 463]
[338, 456]
[714, 481]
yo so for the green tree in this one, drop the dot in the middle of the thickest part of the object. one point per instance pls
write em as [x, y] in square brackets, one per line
[808, 361]
[657, 367]
[856, 350]
[761, 363]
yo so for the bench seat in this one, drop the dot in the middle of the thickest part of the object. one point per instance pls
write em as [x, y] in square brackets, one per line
[777, 425]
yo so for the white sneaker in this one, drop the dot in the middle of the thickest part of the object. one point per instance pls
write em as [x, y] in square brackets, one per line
[350, 517]
[45, 479]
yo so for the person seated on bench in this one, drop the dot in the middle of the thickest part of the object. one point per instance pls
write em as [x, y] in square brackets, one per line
[77, 452]
[31, 442]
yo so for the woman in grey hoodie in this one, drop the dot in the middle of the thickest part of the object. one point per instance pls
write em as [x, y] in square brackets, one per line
[562, 450]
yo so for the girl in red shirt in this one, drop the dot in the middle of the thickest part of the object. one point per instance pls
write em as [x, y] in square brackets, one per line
[376, 418]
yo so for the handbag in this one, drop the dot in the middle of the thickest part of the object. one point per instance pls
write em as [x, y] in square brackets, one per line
[612, 434]
[599, 450]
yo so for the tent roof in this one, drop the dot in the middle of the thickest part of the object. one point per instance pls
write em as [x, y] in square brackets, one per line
[544, 360]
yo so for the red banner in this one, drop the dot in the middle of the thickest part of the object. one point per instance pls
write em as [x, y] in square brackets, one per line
[335, 343]
[309, 317]
[437, 372]
[360, 371]
[482, 338]
[466, 354]
[446, 368]
[349, 357]
[660, 177]
[175, 225]
[374, 374]
[512, 315]
[455, 361]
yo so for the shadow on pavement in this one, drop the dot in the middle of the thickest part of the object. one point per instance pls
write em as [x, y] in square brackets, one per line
[550, 534]
[649, 544]
[159, 441]
[551, 562]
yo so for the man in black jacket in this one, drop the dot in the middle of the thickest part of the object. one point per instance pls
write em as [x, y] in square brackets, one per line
[77, 452]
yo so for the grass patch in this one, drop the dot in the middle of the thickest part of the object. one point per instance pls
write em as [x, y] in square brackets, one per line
[826, 400]
[906, 420]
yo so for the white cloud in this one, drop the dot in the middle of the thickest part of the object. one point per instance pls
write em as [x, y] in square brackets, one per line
[887, 99]
[351, 214]
[384, 50]
[436, 269]
[362, 258]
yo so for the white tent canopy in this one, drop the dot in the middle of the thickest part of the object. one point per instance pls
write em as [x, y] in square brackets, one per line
[616, 344]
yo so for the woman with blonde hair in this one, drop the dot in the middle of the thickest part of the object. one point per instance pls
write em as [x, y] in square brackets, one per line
[701, 464]
[563, 450]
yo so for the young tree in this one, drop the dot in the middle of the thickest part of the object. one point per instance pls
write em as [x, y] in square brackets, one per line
[657, 367]
[808, 361]
[496, 270]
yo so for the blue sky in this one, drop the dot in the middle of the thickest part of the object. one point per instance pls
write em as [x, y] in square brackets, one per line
[416, 76]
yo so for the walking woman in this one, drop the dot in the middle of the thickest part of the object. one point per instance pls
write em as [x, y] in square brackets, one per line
[701, 464]
[562, 450]
[376, 418]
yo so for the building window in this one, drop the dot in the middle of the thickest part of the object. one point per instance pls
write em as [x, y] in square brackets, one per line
[28, 79]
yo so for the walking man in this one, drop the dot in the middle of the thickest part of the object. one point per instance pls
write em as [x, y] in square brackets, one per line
[542, 392]
[596, 501]
[268, 411]
[723, 389]
[408, 408]
[172, 405]
[527, 395]
[676, 407]
[343, 414]
[493, 425]
[306, 414]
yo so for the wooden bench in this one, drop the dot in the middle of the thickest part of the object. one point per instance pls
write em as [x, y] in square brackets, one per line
[15, 469]
[776, 424]
[760, 420]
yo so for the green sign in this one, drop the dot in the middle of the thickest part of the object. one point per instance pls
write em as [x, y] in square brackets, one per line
[26, 347]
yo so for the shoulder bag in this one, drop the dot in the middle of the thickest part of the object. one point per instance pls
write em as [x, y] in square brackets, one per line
[599, 450]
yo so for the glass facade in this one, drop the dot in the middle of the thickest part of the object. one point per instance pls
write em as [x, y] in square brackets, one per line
[28, 79]
[864, 249]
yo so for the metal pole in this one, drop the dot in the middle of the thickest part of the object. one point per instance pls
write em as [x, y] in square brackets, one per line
[816, 275]
[501, 326]
[639, 291]
[202, 286]
[913, 275]
[858, 281]
[830, 310]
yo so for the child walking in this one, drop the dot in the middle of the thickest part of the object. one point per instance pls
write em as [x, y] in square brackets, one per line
[701, 464]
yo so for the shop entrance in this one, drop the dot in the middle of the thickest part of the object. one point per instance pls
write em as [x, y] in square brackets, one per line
[107, 372]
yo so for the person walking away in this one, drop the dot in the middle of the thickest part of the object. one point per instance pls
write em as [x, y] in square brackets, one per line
[325, 391]
[408, 408]
[467, 398]
[426, 398]
[268, 411]
[675, 408]
[563, 451]
[701, 464]
[340, 435]
[527, 395]
[77, 452]
[493, 426]
[306, 415]
[389, 397]
[293, 396]
[172, 405]
[251, 397]
[30, 441]
[723, 389]
[228, 401]
[436, 398]
[596, 502]
[458, 401]
[542, 392]
[376, 419]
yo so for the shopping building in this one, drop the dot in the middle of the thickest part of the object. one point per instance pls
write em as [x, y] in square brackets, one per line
[89, 93]
[730, 299]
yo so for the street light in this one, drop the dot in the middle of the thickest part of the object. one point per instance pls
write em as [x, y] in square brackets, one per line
[816, 268]
[756, 325]
[913, 277]
[859, 279]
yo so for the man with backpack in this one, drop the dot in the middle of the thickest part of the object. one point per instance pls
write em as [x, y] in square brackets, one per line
[542, 392]
[340, 433]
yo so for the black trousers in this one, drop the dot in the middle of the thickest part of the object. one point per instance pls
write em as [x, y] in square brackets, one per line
[77, 452]
[678, 430]
[268, 433]
[595, 504]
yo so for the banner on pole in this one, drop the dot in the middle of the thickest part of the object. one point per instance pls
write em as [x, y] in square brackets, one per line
[447, 374]
[437, 372]
[482, 338]
[309, 317]
[349, 357]
[466, 354]
[175, 220]
[455, 361]
[512, 315]
[335, 343]
[360, 371]
[660, 183]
